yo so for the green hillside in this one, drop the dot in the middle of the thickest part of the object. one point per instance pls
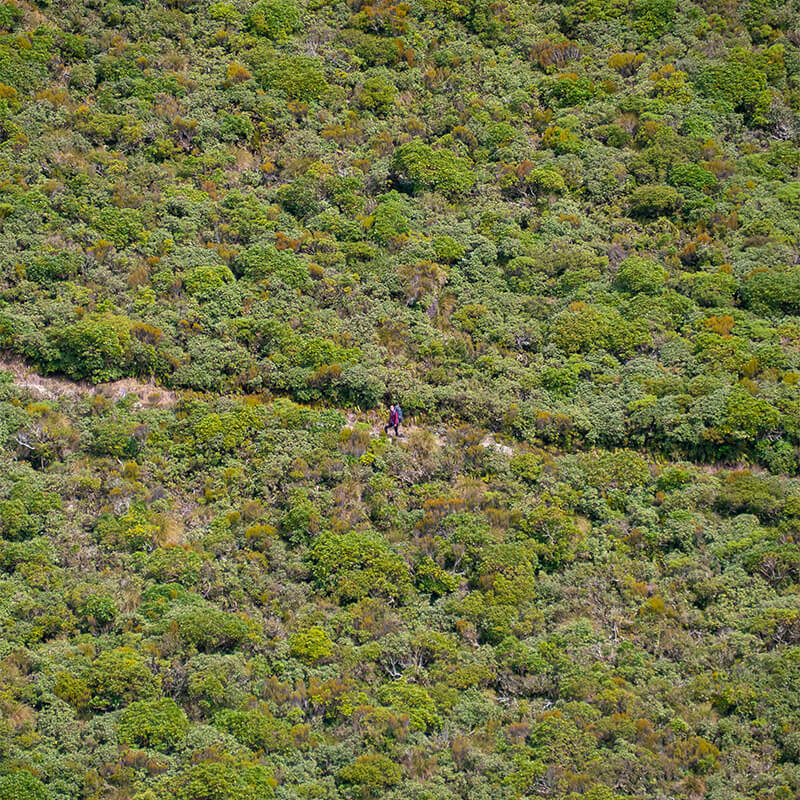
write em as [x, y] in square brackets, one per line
[565, 236]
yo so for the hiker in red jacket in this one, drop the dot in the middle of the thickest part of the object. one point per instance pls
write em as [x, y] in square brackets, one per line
[394, 420]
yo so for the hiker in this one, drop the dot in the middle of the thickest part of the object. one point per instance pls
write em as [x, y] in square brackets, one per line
[394, 420]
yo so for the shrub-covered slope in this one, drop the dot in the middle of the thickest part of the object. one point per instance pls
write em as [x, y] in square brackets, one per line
[572, 221]
[564, 236]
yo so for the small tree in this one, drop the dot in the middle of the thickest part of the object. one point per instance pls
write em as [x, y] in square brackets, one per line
[255, 729]
[211, 629]
[206, 280]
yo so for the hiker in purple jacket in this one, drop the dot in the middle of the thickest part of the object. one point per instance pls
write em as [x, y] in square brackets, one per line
[394, 420]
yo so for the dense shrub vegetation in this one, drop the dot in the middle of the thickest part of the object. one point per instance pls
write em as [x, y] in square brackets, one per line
[564, 235]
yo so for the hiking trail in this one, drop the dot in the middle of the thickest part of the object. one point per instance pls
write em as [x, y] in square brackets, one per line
[48, 388]
[150, 395]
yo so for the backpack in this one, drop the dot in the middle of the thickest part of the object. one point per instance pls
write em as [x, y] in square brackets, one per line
[399, 412]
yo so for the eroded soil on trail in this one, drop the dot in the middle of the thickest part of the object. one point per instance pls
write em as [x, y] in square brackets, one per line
[148, 394]
[51, 388]
[408, 428]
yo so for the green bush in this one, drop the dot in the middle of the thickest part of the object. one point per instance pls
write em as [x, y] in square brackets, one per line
[356, 564]
[158, 724]
[377, 95]
[255, 729]
[692, 176]
[299, 77]
[211, 629]
[447, 249]
[99, 610]
[789, 194]
[421, 167]
[24, 512]
[583, 328]
[176, 564]
[83, 76]
[527, 180]
[261, 261]
[299, 197]
[653, 18]
[311, 645]
[113, 437]
[274, 18]
[527, 466]
[389, 222]
[121, 225]
[10, 15]
[119, 677]
[235, 127]
[206, 280]
[710, 288]
[637, 274]
[214, 780]
[372, 772]
[656, 200]
[767, 289]
[571, 90]
[738, 84]
[21, 784]
[414, 701]
[743, 492]
[131, 531]
[96, 347]
[56, 266]
[747, 417]
[779, 456]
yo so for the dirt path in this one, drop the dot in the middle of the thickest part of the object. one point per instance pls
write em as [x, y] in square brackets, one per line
[147, 394]
[376, 423]
[150, 395]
